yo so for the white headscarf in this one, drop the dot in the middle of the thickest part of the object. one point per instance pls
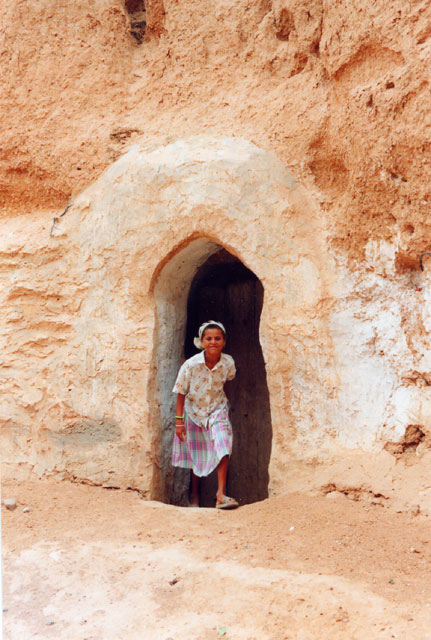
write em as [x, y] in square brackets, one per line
[198, 341]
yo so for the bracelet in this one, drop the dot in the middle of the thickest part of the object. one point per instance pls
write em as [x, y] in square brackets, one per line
[179, 417]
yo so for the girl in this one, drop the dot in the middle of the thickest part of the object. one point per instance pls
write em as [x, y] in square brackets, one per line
[203, 433]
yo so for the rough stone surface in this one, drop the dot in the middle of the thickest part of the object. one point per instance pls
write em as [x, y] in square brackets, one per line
[338, 89]
[95, 332]
[337, 92]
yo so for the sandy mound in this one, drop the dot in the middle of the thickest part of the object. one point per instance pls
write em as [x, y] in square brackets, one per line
[96, 564]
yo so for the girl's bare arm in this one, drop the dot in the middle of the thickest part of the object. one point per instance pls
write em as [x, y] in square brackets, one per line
[180, 429]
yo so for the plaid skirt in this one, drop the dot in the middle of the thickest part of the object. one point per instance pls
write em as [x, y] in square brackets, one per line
[203, 448]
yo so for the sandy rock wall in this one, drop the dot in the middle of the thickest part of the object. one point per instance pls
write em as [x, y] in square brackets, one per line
[338, 89]
[96, 305]
[102, 367]
[338, 92]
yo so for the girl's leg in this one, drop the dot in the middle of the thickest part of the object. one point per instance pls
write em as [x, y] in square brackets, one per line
[221, 478]
[195, 490]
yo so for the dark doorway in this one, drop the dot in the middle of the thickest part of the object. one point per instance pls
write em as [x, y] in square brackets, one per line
[224, 289]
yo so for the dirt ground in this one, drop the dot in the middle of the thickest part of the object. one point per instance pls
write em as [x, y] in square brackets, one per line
[87, 563]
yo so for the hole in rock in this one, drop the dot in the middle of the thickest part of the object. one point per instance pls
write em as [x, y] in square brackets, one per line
[409, 228]
[284, 24]
[138, 18]
[413, 436]
[224, 289]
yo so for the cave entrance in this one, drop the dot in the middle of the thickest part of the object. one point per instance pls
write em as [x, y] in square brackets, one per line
[224, 289]
[204, 281]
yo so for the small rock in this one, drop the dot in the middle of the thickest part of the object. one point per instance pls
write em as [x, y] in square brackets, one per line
[26, 510]
[49, 623]
[10, 503]
[291, 528]
[173, 581]
[4, 609]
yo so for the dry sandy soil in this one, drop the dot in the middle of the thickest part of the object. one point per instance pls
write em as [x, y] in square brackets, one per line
[87, 563]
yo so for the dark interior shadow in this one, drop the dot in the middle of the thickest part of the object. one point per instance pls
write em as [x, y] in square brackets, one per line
[225, 290]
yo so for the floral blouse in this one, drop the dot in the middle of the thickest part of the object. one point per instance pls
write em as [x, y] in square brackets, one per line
[203, 387]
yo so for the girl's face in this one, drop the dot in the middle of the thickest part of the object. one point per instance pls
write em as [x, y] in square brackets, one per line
[213, 341]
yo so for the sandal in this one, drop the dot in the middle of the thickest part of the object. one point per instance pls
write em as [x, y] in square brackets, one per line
[227, 503]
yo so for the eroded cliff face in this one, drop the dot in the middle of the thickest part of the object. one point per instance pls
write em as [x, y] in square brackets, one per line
[339, 90]
[336, 92]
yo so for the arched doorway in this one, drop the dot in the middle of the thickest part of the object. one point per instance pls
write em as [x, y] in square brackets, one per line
[204, 281]
[224, 289]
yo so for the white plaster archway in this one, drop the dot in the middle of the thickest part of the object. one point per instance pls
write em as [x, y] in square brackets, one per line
[165, 209]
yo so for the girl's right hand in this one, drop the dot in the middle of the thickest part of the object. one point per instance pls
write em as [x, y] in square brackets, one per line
[180, 431]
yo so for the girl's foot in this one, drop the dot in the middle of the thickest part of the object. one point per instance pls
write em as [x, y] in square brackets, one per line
[226, 503]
